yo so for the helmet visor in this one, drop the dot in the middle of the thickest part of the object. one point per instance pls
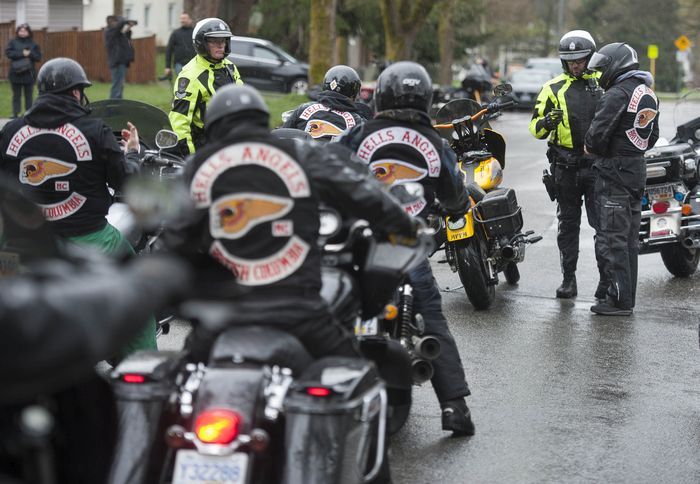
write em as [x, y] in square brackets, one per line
[571, 55]
[599, 62]
[218, 34]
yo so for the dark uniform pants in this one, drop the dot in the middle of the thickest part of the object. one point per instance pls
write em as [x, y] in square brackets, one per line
[448, 379]
[620, 211]
[574, 187]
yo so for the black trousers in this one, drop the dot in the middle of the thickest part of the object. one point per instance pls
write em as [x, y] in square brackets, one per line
[620, 210]
[17, 90]
[575, 187]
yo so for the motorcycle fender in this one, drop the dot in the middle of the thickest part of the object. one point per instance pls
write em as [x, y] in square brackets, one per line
[462, 233]
[489, 174]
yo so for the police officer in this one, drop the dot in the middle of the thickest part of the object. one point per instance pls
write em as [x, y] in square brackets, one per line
[625, 126]
[256, 200]
[66, 161]
[563, 112]
[335, 111]
[208, 71]
[400, 145]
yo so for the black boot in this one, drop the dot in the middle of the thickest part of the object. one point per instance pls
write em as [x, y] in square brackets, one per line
[567, 289]
[457, 417]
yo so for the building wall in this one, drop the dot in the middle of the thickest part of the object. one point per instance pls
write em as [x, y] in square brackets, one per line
[65, 15]
[55, 15]
[154, 17]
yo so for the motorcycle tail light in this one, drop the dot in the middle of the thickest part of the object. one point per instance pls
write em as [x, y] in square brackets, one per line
[660, 207]
[318, 391]
[217, 426]
[133, 378]
[687, 209]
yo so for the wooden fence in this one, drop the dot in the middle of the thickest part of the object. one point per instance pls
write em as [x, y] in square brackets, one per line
[88, 48]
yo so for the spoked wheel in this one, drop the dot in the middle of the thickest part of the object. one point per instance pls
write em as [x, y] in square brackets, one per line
[512, 273]
[473, 276]
[680, 261]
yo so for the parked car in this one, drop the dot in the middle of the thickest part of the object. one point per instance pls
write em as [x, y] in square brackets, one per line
[551, 64]
[267, 66]
[527, 84]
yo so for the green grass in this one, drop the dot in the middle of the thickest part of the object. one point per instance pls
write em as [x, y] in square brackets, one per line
[158, 94]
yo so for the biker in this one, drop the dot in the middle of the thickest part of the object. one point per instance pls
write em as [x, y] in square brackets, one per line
[562, 114]
[67, 160]
[256, 219]
[48, 306]
[625, 126]
[208, 71]
[400, 145]
[335, 111]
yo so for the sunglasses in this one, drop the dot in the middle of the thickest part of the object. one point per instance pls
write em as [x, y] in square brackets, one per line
[576, 62]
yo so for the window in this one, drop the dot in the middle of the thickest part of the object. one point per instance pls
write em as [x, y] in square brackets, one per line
[240, 48]
[146, 16]
[171, 15]
[265, 53]
[127, 13]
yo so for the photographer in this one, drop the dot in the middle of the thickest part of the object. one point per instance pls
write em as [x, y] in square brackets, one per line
[120, 52]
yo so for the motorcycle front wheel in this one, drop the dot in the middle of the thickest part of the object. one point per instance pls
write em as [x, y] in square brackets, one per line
[472, 274]
[680, 261]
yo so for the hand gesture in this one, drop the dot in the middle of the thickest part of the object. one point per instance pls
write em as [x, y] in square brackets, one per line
[130, 138]
[553, 118]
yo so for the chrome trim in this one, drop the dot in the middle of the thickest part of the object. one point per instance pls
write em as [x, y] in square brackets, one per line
[276, 391]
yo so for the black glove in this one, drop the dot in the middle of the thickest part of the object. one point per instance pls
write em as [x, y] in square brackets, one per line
[553, 118]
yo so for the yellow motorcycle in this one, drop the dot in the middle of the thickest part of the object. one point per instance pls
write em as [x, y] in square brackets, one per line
[487, 240]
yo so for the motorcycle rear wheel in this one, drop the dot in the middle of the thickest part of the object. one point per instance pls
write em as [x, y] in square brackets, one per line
[679, 261]
[512, 273]
[472, 274]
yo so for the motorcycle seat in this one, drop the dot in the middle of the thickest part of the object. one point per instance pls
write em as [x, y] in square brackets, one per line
[259, 345]
[475, 191]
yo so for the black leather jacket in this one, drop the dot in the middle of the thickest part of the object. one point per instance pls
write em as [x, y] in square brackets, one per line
[331, 115]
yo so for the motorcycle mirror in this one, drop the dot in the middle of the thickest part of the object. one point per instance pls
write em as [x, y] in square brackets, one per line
[166, 139]
[502, 90]
[154, 203]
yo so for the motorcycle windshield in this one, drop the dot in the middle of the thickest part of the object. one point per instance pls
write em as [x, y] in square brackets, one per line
[148, 119]
[457, 109]
[685, 117]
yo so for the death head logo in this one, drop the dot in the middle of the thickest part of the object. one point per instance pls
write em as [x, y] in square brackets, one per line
[644, 117]
[390, 172]
[35, 171]
[234, 216]
[318, 128]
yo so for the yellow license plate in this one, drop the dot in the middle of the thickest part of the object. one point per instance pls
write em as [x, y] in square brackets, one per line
[456, 230]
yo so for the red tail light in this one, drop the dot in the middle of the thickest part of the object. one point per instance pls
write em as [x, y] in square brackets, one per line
[660, 207]
[318, 391]
[217, 426]
[133, 378]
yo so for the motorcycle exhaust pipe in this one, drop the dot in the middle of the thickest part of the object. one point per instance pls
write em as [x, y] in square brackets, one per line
[690, 243]
[428, 347]
[421, 370]
[512, 253]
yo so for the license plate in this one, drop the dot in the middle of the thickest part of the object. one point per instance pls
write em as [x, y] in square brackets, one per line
[9, 264]
[193, 467]
[662, 192]
[454, 235]
[366, 328]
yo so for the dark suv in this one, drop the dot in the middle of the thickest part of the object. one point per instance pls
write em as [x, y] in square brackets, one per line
[266, 66]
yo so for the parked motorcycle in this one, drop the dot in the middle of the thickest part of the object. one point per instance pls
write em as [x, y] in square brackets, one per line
[260, 409]
[487, 240]
[671, 204]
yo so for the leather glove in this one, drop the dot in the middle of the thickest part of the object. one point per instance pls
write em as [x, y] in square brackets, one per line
[553, 118]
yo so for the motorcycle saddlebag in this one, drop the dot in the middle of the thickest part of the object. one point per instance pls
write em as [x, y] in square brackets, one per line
[667, 163]
[499, 213]
[335, 412]
[142, 384]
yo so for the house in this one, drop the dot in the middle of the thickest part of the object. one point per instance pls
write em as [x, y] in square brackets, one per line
[54, 15]
[154, 17]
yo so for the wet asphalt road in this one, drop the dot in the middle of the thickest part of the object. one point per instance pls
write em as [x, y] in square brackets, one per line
[561, 395]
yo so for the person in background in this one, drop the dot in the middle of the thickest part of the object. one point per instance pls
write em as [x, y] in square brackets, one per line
[120, 52]
[23, 53]
[180, 49]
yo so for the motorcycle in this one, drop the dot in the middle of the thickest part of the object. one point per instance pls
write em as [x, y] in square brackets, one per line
[260, 409]
[670, 223]
[487, 240]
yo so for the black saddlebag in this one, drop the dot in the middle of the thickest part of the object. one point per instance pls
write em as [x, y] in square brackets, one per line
[335, 411]
[499, 213]
[142, 384]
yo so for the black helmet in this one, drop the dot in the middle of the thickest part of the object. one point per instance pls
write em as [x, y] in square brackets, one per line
[342, 79]
[404, 85]
[575, 45]
[207, 29]
[60, 75]
[612, 60]
[234, 99]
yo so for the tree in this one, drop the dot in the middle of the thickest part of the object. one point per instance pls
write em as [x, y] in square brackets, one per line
[446, 36]
[118, 7]
[241, 17]
[402, 21]
[321, 38]
[200, 9]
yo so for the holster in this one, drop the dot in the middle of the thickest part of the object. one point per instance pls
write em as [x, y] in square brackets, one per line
[549, 184]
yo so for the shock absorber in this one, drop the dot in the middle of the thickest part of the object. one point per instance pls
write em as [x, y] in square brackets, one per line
[406, 311]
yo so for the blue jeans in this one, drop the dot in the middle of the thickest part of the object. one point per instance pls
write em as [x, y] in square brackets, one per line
[118, 77]
[448, 380]
[177, 68]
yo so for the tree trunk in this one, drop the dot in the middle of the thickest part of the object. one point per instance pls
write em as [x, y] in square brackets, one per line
[239, 24]
[446, 37]
[321, 38]
[402, 20]
[200, 9]
[118, 7]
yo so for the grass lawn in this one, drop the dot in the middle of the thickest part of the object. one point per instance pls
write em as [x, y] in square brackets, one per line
[158, 94]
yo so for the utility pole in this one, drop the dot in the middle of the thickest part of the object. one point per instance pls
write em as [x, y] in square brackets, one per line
[118, 7]
[560, 18]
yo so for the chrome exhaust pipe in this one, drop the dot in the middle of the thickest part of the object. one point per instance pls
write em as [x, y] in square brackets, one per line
[421, 371]
[428, 347]
[690, 243]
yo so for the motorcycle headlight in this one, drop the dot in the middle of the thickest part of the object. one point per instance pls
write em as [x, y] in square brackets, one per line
[456, 224]
[329, 222]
